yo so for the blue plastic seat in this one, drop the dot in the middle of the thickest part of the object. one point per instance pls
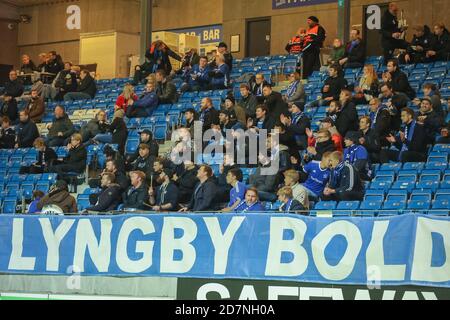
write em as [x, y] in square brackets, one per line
[9, 207]
[422, 195]
[42, 186]
[441, 204]
[160, 132]
[326, 205]
[131, 146]
[418, 205]
[368, 207]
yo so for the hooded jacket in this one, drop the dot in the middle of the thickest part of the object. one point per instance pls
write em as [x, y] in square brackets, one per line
[61, 198]
[64, 125]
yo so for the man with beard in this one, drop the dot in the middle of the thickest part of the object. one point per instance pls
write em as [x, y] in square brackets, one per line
[186, 182]
[144, 162]
[109, 199]
[27, 131]
[36, 107]
[323, 144]
[166, 196]
[431, 121]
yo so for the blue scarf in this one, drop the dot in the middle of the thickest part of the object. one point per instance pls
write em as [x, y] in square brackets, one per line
[158, 55]
[374, 116]
[350, 154]
[296, 117]
[409, 133]
[203, 115]
[353, 44]
[288, 205]
[292, 88]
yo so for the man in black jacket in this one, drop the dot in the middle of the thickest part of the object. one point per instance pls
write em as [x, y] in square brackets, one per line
[9, 109]
[347, 119]
[391, 33]
[61, 129]
[137, 194]
[110, 197]
[440, 49]
[208, 114]
[75, 162]
[144, 162]
[395, 102]
[263, 120]
[411, 141]
[256, 85]
[431, 121]
[369, 139]
[165, 90]
[27, 131]
[146, 137]
[314, 39]
[204, 193]
[399, 80]
[45, 158]
[7, 135]
[223, 49]
[187, 181]
[332, 87]
[86, 88]
[355, 53]
[166, 195]
[274, 102]
[380, 119]
[296, 124]
[419, 46]
[248, 101]
[13, 87]
[345, 183]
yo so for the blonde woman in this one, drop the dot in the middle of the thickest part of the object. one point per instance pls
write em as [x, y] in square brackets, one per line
[126, 99]
[368, 86]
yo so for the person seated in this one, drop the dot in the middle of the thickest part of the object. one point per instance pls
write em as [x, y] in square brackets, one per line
[118, 132]
[368, 86]
[208, 114]
[296, 124]
[398, 79]
[222, 49]
[440, 48]
[295, 45]
[411, 141]
[54, 65]
[204, 193]
[265, 183]
[186, 181]
[190, 59]
[295, 93]
[318, 175]
[26, 131]
[248, 101]
[227, 123]
[419, 46]
[431, 121]
[431, 91]
[263, 120]
[126, 98]
[381, 121]
[337, 52]
[318, 146]
[250, 203]
[36, 107]
[288, 202]
[237, 113]
[28, 67]
[115, 166]
[166, 197]
[7, 134]
[98, 125]
[394, 103]
[59, 196]
[355, 53]
[332, 87]
[445, 135]
[237, 193]
[110, 196]
[13, 87]
[345, 183]
[256, 85]
[60, 129]
[45, 158]
[36, 197]
[357, 155]
[145, 105]
[86, 88]
[165, 89]
[298, 192]
[137, 194]
[65, 82]
[347, 117]
[369, 139]
[197, 79]
[75, 161]
[146, 137]
[220, 75]
[144, 162]
[9, 109]
[274, 102]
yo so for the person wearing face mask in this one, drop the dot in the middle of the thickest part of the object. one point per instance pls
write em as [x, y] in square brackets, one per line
[36, 107]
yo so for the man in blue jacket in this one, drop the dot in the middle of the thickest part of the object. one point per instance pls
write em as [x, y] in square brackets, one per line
[357, 155]
[220, 75]
[197, 79]
[144, 107]
[251, 202]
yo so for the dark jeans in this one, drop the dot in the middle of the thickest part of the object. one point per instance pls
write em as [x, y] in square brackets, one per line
[407, 156]
[136, 112]
[345, 196]
[57, 142]
[311, 62]
[31, 170]
[140, 75]
[353, 65]
[63, 169]
[389, 48]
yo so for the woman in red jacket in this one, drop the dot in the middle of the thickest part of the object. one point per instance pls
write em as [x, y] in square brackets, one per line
[126, 98]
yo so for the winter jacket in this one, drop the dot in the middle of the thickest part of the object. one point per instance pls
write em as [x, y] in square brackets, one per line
[26, 132]
[61, 198]
[36, 109]
[88, 86]
[108, 200]
[166, 92]
[63, 125]
[135, 198]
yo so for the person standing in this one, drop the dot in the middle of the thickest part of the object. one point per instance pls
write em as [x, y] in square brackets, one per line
[315, 36]
[391, 34]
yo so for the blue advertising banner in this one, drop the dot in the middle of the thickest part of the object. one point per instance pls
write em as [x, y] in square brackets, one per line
[283, 4]
[207, 34]
[403, 250]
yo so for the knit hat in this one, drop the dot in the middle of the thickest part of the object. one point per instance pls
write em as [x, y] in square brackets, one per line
[231, 98]
[169, 172]
[313, 18]
[61, 184]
